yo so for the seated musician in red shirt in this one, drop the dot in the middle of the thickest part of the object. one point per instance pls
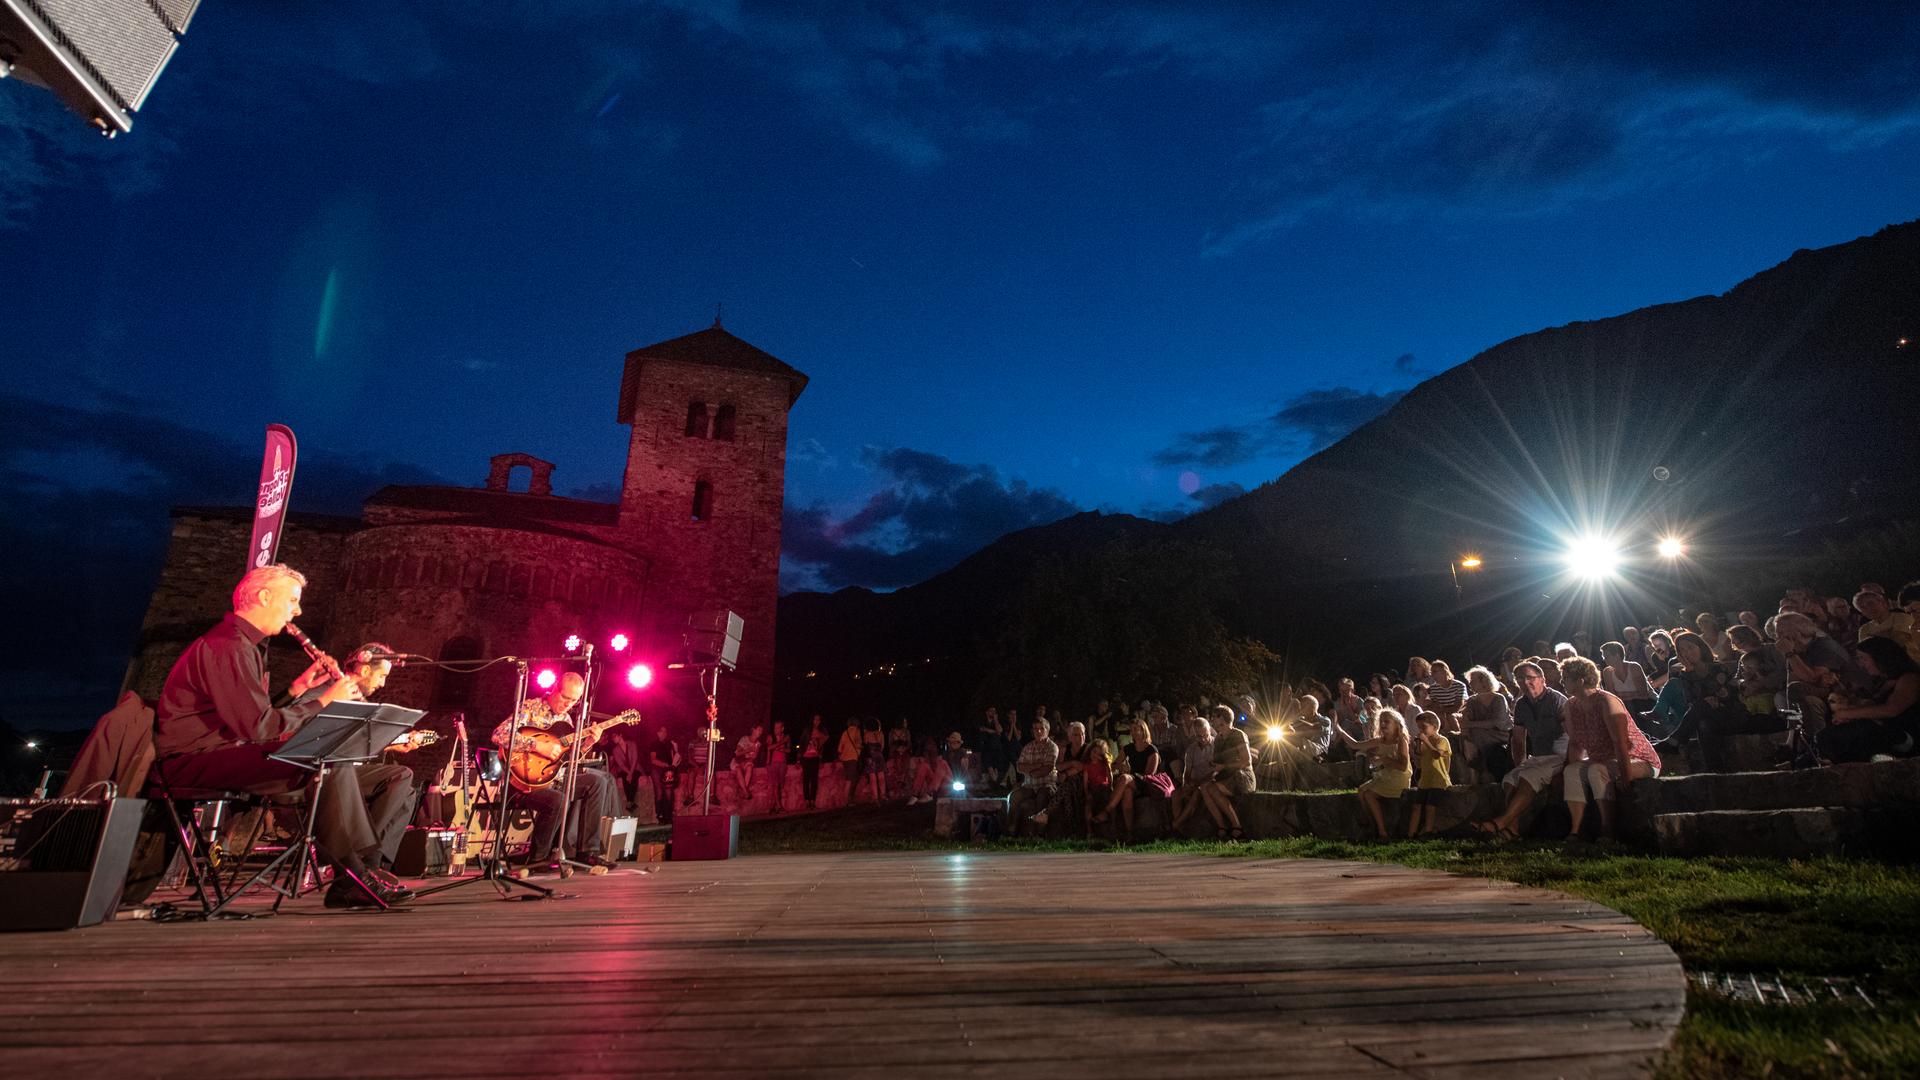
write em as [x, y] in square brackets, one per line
[216, 723]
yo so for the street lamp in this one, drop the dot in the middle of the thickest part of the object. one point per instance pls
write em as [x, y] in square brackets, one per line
[1468, 563]
[1672, 547]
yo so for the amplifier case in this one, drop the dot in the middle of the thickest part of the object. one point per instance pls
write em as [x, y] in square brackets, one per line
[705, 836]
[69, 896]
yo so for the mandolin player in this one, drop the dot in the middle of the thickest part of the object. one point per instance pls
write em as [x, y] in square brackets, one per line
[593, 789]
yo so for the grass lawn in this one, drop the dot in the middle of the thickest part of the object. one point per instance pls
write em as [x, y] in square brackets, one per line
[1832, 916]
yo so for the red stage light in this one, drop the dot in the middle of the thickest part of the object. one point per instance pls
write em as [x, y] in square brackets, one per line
[573, 642]
[639, 675]
[619, 642]
[546, 679]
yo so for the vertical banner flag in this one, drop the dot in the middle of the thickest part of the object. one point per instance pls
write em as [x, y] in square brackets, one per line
[270, 504]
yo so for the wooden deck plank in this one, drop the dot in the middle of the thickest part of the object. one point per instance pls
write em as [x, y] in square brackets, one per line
[847, 965]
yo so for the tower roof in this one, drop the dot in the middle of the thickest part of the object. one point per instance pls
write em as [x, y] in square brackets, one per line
[712, 347]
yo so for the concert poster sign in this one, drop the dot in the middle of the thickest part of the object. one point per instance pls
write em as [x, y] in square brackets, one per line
[270, 502]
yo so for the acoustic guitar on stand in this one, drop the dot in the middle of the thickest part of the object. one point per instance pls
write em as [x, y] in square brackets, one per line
[538, 753]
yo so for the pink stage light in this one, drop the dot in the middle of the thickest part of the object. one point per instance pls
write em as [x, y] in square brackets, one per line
[546, 679]
[639, 675]
[619, 642]
[573, 642]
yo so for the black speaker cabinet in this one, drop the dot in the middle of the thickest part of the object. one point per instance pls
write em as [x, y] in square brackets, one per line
[713, 637]
[63, 862]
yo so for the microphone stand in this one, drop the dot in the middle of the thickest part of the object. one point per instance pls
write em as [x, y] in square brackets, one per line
[495, 871]
[567, 863]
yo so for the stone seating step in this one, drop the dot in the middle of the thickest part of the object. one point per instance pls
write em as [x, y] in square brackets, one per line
[1790, 833]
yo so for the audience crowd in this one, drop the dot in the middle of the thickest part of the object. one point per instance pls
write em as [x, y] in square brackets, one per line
[1832, 681]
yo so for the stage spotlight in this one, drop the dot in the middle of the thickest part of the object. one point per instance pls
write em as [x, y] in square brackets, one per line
[1276, 733]
[959, 787]
[618, 642]
[573, 642]
[1672, 547]
[639, 675]
[1593, 557]
[545, 679]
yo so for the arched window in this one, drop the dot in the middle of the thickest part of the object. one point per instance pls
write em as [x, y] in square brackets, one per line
[723, 423]
[702, 500]
[696, 420]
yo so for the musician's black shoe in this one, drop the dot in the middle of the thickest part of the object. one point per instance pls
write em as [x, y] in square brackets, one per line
[345, 893]
[390, 888]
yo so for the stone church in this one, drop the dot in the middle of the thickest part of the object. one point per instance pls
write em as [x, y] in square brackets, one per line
[510, 568]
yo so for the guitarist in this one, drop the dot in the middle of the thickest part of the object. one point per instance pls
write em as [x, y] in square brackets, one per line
[593, 789]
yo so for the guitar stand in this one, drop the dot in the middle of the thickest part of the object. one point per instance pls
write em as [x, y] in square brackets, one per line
[494, 870]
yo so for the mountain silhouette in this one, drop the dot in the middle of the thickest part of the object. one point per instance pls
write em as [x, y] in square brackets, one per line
[1762, 426]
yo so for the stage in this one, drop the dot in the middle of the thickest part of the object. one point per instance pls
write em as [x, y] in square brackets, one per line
[872, 964]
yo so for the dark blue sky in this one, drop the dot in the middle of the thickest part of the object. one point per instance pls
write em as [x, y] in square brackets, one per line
[1035, 257]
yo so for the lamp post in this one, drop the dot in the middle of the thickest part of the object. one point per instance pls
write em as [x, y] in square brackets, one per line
[1468, 563]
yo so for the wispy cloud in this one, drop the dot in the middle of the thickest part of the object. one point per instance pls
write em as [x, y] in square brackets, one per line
[927, 513]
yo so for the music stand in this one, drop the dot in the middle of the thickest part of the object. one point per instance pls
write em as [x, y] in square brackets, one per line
[494, 871]
[345, 733]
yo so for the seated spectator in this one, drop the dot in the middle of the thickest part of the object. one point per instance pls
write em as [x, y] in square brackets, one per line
[1400, 699]
[1099, 780]
[1709, 626]
[1168, 737]
[1069, 803]
[962, 764]
[1887, 720]
[1605, 750]
[1817, 666]
[1910, 600]
[1751, 620]
[1312, 730]
[745, 753]
[1762, 673]
[1625, 679]
[1446, 696]
[1037, 766]
[992, 758]
[1538, 742]
[1141, 778]
[1392, 765]
[1378, 686]
[1433, 767]
[1838, 619]
[1485, 729]
[1346, 704]
[1196, 768]
[1583, 643]
[929, 774]
[1878, 619]
[1418, 671]
[1659, 665]
[1713, 700]
[1231, 775]
[1508, 659]
[1564, 652]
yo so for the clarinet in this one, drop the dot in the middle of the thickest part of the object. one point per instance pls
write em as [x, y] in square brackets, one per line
[313, 651]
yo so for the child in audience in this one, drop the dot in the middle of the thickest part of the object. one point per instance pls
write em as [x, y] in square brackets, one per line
[1433, 760]
[1392, 768]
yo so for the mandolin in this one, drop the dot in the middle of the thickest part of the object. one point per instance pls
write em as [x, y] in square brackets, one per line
[537, 753]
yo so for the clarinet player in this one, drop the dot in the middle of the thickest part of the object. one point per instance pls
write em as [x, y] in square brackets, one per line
[217, 722]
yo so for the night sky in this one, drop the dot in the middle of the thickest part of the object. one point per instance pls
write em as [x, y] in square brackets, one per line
[1036, 258]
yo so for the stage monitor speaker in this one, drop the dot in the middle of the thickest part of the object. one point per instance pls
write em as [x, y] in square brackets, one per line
[705, 836]
[713, 637]
[101, 57]
[63, 862]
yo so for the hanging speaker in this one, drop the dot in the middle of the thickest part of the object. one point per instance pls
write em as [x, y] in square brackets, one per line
[713, 637]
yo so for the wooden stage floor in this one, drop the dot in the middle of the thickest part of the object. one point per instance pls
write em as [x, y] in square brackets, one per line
[872, 965]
